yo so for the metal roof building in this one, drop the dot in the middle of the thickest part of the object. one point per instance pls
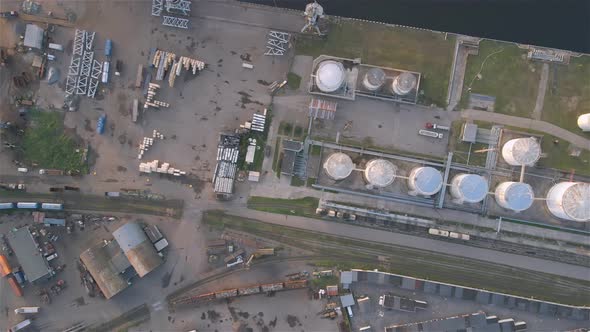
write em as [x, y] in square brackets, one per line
[138, 248]
[33, 36]
[107, 264]
[27, 251]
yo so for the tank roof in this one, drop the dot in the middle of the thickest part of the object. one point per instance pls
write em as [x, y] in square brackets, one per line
[338, 166]
[375, 77]
[427, 180]
[522, 151]
[404, 83]
[329, 76]
[518, 196]
[472, 187]
[570, 200]
[380, 172]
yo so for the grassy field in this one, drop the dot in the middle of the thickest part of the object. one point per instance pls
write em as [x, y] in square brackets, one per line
[413, 262]
[506, 75]
[461, 149]
[568, 94]
[46, 144]
[559, 158]
[293, 81]
[402, 48]
[77, 202]
[298, 207]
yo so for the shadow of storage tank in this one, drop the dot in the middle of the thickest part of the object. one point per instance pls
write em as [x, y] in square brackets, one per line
[380, 173]
[425, 181]
[570, 201]
[338, 166]
[469, 188]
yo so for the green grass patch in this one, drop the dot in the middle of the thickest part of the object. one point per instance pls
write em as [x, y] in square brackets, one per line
[559, 157]
[46, 144]
[286, 128]
[396, 47]
[568, 94]
[506, 75]
[316, 150]
[311, 181]
[461, 149]
[305, 206]
[322, 282]
[293, 80]
[275, 157]
[297, 182]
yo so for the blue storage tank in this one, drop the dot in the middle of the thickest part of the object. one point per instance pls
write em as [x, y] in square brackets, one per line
[108, 47]
[27, 205]
[52, 206]
[6, 206]
[100, 124]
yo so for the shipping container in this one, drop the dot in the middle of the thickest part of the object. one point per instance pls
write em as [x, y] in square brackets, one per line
[27, 205]
[5, 268]
[161, 245]
[54, 222]
[26, 310]
[249, 290]
[108, 48]
[6, 206]
[272, 287]
[112, 194]
[105, 72]
[226, 293]
[101, 124]
[52, 206]
[57, 47]
[294, 284]
[51, 172]
[15, 286]
[22, 169]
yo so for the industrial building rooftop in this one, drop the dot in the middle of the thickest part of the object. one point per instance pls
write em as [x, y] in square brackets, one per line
[30, 258]
[138, 248]
[107, 264]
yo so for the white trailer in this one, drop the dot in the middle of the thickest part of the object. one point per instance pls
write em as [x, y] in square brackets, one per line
[57, 47]
[20, 325]
[26, 310]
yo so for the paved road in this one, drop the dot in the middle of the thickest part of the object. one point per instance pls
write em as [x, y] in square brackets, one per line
[368, 234]
[541, 92]
[529, 124]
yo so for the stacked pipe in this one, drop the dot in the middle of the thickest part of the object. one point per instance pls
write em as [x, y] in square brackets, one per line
[152, 88]
[155, 167]
[148, 142]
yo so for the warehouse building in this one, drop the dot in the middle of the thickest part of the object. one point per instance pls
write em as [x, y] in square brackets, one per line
[28, 254]
[109, 267]
[138, 248]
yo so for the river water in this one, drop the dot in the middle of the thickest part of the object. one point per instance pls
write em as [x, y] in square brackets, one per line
[563, 24]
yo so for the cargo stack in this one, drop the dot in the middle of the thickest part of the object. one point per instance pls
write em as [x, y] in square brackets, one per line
[150, 101]
[155, 167]
[147, 142]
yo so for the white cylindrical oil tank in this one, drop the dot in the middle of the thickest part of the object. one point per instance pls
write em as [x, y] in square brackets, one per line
[570, 201]
[330, 76]
[338, 166]
[380, 173]
[521, 151]
[425, 181]
[469, 188]
[515, 196]
[584, 122]
[374, 79]
[404, 83]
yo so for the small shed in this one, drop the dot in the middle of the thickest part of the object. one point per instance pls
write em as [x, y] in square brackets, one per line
[33, 36]
[346, 279]
[332, 290]
[347, 300]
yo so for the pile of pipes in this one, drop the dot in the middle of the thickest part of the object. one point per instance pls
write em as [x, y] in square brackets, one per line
[148, 142]
[152, 87]
[153, 167]
[189, 64]
[162, 61]
[258, 122]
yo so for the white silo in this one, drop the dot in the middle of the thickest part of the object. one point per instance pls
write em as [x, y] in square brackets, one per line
[515, 196]
[570, 201]
[584, 122]
[374, 79]
[521, 151]
[329, 76]
[425, 181]
[404, 83]
[338, 166]
[469, 188]
[380, 173]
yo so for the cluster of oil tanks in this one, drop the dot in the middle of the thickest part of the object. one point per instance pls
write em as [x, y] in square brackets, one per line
[331, 76]
[566, 200]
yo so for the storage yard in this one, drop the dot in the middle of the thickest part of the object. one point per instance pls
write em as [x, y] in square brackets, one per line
[143, 178]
